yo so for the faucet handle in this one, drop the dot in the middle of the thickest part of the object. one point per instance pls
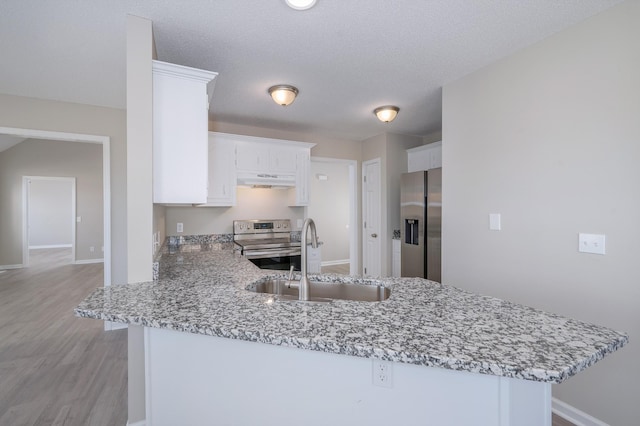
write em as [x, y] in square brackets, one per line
[291, 273]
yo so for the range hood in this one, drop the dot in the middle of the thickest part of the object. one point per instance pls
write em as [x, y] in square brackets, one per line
[266, 180]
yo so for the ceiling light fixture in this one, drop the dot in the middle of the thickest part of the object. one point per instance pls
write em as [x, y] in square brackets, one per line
[283, 94]
[386, 113]
[300, 4]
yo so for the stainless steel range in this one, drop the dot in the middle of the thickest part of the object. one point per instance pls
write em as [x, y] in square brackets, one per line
[267, 243]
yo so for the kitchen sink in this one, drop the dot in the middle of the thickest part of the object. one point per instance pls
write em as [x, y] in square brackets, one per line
[323, 291]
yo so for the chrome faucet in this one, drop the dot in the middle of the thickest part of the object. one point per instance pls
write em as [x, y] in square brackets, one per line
[304, 281]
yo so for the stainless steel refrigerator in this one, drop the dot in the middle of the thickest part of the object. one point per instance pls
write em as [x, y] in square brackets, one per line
[421, 224]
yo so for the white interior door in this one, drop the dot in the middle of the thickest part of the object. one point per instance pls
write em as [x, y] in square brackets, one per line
[371, 218]
[49, 214]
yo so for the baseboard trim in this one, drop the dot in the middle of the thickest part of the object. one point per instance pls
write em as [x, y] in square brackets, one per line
[110, 326]
[50, 246]
[11, 266]
[140, 423]
[88, 261]
[572, 414]
[335, 262]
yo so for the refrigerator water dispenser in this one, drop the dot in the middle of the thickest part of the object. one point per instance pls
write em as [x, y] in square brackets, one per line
[411, 234]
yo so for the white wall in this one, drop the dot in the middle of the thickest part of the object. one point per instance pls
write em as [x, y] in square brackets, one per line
[550, 138]
[329, 207]
[140, 213]
[50, 211]
[38, 114]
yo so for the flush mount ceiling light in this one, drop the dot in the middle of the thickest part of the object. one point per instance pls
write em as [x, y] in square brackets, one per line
[283, 94]
[300, 4]
[386, 113]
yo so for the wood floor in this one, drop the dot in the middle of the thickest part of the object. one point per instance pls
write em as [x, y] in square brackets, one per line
[342, 268]
[56, 369]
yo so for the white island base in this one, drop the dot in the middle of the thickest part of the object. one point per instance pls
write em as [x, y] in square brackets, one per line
[199, 380]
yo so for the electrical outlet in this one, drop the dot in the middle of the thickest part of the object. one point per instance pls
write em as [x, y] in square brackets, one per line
[591, 243]
[180, 227]
[382, 373]
[92, 249]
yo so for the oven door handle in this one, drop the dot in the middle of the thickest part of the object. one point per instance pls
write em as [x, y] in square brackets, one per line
[261, 254]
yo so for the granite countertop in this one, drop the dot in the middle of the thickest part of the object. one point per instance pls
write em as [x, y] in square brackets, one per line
[203, 290]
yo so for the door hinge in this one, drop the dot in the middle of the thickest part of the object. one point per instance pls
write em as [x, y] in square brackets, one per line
[365, 271]
[365, 178]
[365, 224]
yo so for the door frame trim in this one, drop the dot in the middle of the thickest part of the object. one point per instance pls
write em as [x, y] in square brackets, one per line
[105, 141]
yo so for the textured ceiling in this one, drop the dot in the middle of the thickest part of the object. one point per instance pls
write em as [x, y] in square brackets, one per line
[346, 57]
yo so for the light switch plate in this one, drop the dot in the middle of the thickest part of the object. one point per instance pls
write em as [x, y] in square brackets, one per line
[591, 243]
[494, 222]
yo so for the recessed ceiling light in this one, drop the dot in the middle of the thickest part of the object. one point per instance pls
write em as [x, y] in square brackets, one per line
[300, 4]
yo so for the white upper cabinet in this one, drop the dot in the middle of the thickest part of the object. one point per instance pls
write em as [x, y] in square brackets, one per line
[222, 171]
[425, 157]
[266, 155]
[248, 160]
[252, 156]
[282, 159]
[299, 196]
[180, 129]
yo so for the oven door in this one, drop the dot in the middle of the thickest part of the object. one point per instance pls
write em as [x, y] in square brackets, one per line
[280, 259]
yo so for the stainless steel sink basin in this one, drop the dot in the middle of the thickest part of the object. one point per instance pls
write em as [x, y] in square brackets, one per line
[324, 292]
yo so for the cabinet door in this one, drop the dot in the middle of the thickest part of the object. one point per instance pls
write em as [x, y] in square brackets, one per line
[419, 160]
[180, 120]
[314, 259]
[222, 172]
[426, 157]
[396, 260]
[282, 159]
[300, 196]
[252, 156]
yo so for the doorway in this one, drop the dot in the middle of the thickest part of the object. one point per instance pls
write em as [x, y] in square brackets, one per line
[106, 182]
[334, 208]
[49, 216]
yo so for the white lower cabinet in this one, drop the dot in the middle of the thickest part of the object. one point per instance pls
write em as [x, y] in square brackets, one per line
[395, 258]
[314, 259]
[222, 171]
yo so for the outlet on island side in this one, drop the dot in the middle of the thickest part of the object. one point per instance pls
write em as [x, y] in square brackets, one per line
[382, 373]
[180, 227]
